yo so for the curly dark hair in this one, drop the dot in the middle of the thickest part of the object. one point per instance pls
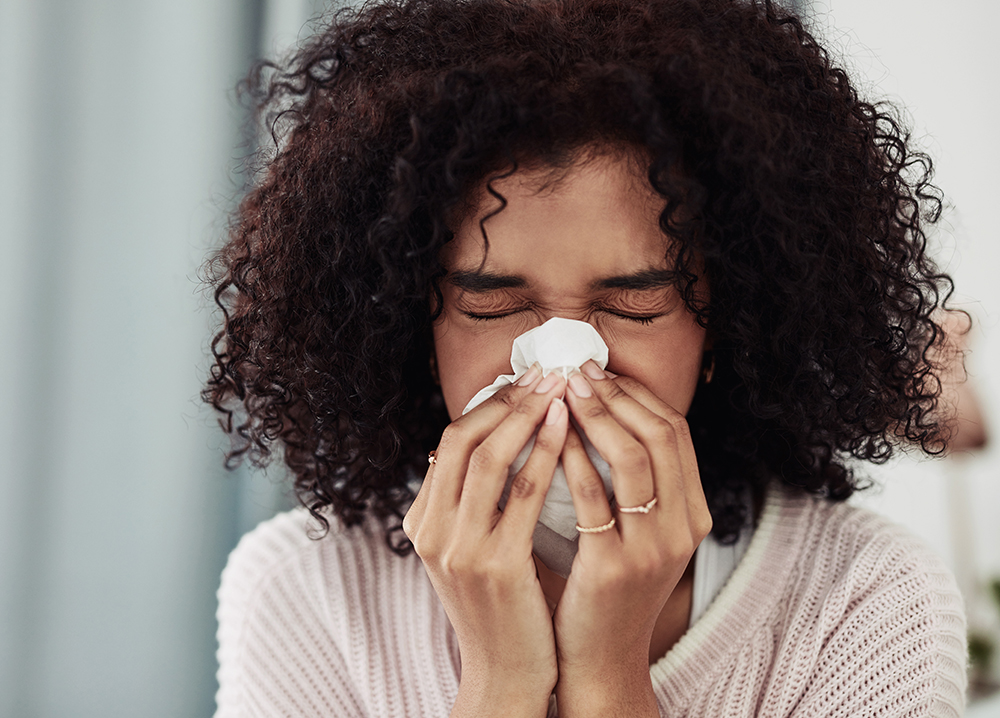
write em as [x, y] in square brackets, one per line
[806, 206]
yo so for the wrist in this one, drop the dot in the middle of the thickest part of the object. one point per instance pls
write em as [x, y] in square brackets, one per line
[472, 703]
[626, 691]
[486, 694]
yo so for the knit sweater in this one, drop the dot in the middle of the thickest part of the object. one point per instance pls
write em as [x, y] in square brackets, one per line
[833, 611]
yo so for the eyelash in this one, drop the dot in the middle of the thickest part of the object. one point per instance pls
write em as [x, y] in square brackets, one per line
[645, 319]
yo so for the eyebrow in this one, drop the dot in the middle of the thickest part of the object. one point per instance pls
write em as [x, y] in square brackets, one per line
[643, 279]
[483, 281]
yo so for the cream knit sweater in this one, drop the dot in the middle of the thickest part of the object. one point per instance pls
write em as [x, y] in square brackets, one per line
[833, 611]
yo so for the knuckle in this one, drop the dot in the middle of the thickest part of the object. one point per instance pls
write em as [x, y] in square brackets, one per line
[544, 442]
[612, 391]
[426, 549]
[592, 488]
[494, 566]
[482, 459]
[454, 563]
[680, 427]
[681, 549]
[660, 429]
[648, 563]
[496, 572]
[703, 524]
[614, 572]
[633, 459]
[626, 382]
[454, 436]
[410, 526]
[573, 440]
[522, 486]
[523, 408]
[596, 410]
[506, 397]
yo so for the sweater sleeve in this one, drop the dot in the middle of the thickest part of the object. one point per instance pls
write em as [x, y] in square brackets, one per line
[895, 636]
[276, 654]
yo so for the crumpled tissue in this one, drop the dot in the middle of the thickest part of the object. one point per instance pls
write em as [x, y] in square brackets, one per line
[559, 345]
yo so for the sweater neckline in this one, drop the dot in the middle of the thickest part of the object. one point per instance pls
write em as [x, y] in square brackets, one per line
[744, 602]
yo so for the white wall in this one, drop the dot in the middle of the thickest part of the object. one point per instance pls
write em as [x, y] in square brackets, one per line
[940, 59]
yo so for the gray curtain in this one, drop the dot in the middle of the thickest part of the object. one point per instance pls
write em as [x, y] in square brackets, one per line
[118, 138]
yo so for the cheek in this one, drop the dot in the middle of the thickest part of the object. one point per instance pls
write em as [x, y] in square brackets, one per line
[668, 364]
[469, 359]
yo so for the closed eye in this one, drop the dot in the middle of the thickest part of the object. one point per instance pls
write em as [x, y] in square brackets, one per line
[644, 319]
[638, 318]
[486, 317]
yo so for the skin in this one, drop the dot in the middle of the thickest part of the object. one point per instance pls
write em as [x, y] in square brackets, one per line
[959, 401]
[584, 244]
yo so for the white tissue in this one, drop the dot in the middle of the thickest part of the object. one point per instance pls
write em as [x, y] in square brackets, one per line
[558, 345]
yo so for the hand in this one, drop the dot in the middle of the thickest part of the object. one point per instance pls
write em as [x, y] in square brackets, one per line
[621, 578]
[479, 559]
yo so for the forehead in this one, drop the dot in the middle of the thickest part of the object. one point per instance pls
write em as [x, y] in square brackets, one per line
[600, 212]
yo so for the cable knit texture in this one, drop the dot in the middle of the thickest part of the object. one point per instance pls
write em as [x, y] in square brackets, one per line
[833, 611]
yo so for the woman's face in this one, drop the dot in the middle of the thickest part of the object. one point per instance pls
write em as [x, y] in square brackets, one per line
[587, 246]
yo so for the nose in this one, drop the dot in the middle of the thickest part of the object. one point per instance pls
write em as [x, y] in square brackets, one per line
[561, 342]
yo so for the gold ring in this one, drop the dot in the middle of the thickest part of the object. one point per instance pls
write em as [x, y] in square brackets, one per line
[432, 457]
[644, 509]
[596, 529]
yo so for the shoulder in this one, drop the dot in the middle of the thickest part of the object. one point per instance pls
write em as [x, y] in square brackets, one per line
[296, 615]
[853, 555]
[292, 549]
[281, 554]
[289, 563]
[832, 611]
[873, 607]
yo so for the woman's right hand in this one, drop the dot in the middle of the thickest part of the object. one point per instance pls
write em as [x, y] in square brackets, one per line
[479, 558]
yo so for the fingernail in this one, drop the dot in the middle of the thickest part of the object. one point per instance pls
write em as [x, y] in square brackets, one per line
[593, 371]
[554, 412]
[580, 386]
[548, 383]
[529, 376]
[610, 374]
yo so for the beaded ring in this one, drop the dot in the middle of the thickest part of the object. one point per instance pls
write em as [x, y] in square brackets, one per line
[644, 509]
[596, 529]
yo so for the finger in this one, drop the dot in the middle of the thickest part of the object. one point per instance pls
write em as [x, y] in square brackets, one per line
[463, 435]
[631, 468]
[586, 488]
[415, 514]
[489, 463]
[678, 434]
[685, 446]
[626, 398]
[531, 484]
[657, 434]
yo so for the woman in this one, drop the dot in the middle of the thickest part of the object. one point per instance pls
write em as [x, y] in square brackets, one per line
[696, 181]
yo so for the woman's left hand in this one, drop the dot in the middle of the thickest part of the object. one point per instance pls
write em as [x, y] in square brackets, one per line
[621, 578]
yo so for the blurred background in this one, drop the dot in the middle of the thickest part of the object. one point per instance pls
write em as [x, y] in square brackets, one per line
[120, 156]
